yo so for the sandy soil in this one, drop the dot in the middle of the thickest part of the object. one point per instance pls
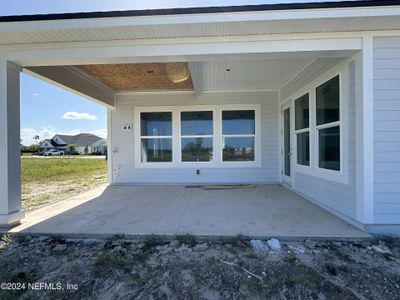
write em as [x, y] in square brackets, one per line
[36, 195]
[188, 269]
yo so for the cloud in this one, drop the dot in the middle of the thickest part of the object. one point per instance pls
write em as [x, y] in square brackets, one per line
[36, 94]
[73, 115]
[27, 134]
[48, 132]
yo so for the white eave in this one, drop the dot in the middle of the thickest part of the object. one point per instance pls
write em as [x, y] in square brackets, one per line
[224, 24]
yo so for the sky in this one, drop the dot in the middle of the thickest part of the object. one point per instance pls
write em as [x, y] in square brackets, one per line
[47, 110]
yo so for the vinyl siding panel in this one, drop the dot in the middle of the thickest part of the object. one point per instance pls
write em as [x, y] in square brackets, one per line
[125, 171]
[387, 130]
[338, 197]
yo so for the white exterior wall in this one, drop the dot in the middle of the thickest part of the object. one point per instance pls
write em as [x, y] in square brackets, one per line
[337, 197]
[122, 143]
[386, 130]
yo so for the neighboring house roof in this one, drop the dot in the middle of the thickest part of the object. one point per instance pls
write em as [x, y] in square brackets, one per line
[49, 141]
[80, 140]
[201, 10]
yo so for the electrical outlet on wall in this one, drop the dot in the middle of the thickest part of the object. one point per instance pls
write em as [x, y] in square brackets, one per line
[127, 127]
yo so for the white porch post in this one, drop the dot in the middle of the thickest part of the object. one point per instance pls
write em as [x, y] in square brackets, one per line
[10, 165]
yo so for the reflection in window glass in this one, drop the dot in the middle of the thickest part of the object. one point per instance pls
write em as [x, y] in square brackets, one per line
[302, 112]
[238, 149]
[327, 98]
[156, 150]
[303, 148]
[197, 149]
[329, 148]
[156, 124]
[197, 123]
[238, 122]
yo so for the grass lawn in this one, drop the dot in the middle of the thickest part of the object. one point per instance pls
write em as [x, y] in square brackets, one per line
[48, 180]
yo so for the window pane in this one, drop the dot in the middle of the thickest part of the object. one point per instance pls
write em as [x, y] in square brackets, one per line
[156, 124]
[329, 148]
[238, 149]
[303, 148]
[238, 122]
[302, 112]
[197, 149]
[156, 150]
[328, 101]
[197, 123]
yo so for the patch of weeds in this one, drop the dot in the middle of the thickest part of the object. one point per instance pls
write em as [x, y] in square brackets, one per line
[7, 238]
[290, 259]
[187, 239]
[107, 263]
[341, 255]
[151, 242]
[389, 240]
[58, 239]
[238, 240]
[23, 240]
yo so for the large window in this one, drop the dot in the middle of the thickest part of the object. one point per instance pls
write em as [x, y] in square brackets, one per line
[328, 124]
[302, 129]
[156, 137]
[238, 135]
[197, 136]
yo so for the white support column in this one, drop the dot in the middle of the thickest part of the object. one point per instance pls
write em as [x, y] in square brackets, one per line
[10, 155]
[365, 133]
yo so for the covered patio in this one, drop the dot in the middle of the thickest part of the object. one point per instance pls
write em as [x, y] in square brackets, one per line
[255, 211]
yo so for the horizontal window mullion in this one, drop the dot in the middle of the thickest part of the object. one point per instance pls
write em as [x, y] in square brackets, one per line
[328, 125]
[157, 137]
[302, 130]
[238, 135]
[196, 136]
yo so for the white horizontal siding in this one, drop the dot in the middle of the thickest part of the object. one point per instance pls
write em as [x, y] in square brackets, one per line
[124, 170]
[387, 130]
[338, 197]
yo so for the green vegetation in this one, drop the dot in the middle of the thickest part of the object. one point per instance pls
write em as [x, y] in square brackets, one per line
[49, 180]
[59, 169]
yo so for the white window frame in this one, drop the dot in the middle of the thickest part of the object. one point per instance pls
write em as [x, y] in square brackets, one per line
[303, 130]
[195, 136]
[314, 169]
[217, 137]
[147, 137]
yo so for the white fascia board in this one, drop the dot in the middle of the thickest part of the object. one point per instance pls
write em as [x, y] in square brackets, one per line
[320, 13]
[174, 52]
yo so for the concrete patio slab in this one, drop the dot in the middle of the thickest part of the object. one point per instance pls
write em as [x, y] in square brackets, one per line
[263, 211]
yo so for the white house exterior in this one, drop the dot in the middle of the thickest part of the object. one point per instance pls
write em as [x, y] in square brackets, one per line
[306, 95]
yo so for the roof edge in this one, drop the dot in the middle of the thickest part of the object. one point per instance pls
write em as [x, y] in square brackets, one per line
[198, 10]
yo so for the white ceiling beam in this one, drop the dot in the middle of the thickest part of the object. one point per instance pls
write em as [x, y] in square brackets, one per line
[196, 73]
[69, 79]
[189, 51]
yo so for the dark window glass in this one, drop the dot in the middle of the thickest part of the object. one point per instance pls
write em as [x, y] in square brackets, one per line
[303, 148]
[197, 123]
[238, 149]
[302, 112]
[238, 122]
[329, 148]
[156, 124]
[156, 150]
[327, 96]
[287, 146]
[197, 149]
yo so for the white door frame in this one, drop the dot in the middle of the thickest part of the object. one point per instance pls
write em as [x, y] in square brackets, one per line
[287, 179]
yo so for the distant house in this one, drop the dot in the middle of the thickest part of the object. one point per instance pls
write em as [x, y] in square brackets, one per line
[82, 143]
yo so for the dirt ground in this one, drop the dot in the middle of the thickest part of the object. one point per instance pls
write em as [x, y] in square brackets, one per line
[184, 268]
[36, 195]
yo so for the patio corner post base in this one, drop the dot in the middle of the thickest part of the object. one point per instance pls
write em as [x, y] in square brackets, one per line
[10, 220]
